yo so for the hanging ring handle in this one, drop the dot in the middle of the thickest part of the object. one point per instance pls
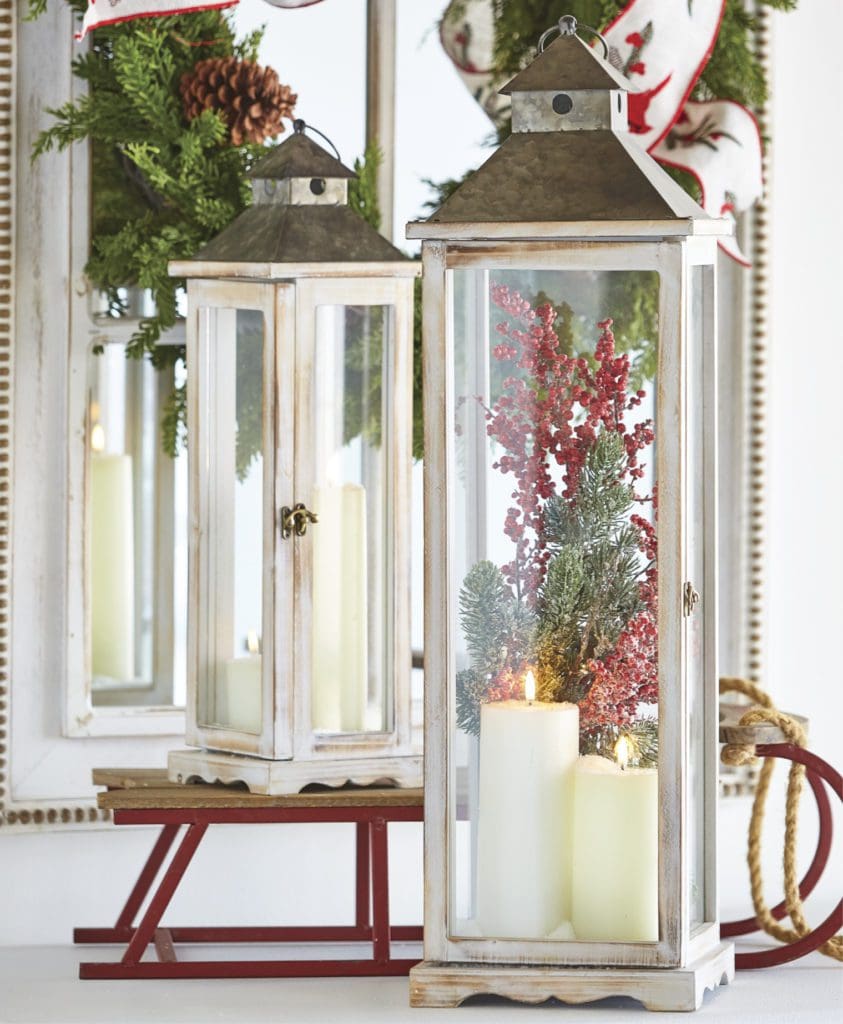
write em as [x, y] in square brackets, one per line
[300, 126]
[568, 26]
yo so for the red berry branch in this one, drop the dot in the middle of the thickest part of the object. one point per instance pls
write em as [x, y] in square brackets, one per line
[546, 426]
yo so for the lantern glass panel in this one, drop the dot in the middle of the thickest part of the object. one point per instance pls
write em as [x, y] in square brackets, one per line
[352, 540]
[698, 481]
[234, 368]
[553, 583]
[137, 546]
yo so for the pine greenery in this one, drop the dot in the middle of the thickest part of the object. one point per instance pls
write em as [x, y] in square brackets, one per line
[590, 594]
[499, 632]
[163, 187]
[363, 190]
[592, 586]
[472, 690]
[496, 626]
[643, 735]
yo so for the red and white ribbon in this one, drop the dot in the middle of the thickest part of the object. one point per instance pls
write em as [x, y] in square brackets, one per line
[662, 48]
[111, 12]
[663, 56]
[719, 143]
[292, 4]
[467, 34]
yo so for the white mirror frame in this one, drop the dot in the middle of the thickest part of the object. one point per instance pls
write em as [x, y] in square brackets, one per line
[51, 740]
[45, 774]
[743, 438]
[81, 717]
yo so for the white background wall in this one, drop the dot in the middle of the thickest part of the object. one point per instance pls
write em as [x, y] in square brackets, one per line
[54, 881]
[804, 556]
[805, 493]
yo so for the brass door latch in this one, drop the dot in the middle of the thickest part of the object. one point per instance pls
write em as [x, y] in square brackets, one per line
[295, 520]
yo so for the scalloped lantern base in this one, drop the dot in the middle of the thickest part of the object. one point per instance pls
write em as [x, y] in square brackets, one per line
[677, 988]
[284, 778]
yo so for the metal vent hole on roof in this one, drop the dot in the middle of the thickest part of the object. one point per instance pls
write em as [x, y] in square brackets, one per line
[562, 103]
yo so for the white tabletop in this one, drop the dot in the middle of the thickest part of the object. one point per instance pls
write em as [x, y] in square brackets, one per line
[39, 984]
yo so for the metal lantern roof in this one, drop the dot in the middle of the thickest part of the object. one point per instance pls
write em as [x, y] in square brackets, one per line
[300, 157]
[299, 218]
[568, 63]
[570, 168]
[294, 234]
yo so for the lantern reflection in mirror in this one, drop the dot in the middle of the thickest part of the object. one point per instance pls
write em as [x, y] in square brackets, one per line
[299, 432]
[136, 539]
[570, 719]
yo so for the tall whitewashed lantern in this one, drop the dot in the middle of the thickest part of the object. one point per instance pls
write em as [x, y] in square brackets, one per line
[570, 647]
[299, 337]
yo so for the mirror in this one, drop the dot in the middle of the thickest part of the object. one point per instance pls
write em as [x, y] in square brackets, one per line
[136, 540]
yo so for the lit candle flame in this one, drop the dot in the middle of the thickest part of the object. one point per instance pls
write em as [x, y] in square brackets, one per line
[530, 687]
[253, 645]
[623, 748]
[97, 438]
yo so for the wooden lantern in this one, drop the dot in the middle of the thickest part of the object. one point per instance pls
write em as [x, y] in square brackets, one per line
[570, 605]
[299, 338]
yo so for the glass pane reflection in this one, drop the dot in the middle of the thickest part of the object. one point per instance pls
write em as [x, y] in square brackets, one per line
[137, 557]
[231, 681]
[351, 634]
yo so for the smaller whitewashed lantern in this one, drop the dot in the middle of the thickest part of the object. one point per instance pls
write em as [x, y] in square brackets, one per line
[570, 593]
[299, 337]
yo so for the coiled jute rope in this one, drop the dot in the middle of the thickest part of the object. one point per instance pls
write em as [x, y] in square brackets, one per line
[740, 754]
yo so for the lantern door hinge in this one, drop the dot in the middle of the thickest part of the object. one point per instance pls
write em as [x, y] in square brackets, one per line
[690, 598]
[295, 520]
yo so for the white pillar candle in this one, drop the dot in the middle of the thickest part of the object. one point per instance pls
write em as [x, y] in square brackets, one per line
[339, 644]
[528, 751]
[239, 696]
[112, 567]
[616, 852]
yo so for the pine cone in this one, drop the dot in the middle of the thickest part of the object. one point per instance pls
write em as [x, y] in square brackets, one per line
[249, 97]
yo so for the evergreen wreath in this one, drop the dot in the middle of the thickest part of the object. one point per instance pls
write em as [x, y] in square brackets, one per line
[163, 183]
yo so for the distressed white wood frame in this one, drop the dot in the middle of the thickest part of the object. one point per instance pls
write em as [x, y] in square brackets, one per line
[397, 295]
[81, 716]
[211, 562]
[672, 260]
[47, 774]
[701, 548]
[289, 309]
